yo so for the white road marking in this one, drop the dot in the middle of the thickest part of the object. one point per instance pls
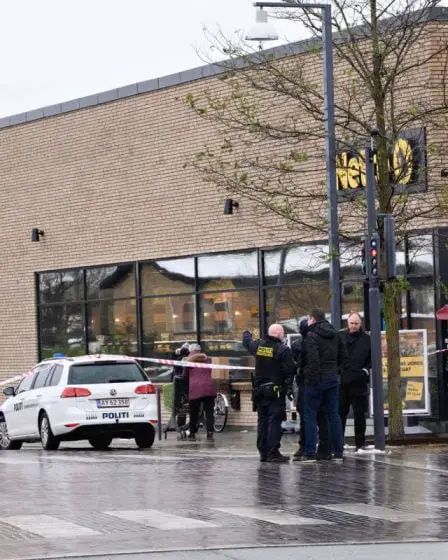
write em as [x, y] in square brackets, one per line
[48, 526]
[378, 512]
[18, 461]
[161, 520]
[435, 504]
[399, 463]
[75, 457]
[277, 517]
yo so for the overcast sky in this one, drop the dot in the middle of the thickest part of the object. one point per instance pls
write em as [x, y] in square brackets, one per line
[57, 50]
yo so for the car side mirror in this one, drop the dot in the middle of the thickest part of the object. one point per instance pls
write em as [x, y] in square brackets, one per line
[9, 391]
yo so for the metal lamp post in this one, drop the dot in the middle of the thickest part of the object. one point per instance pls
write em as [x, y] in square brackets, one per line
[263, 31]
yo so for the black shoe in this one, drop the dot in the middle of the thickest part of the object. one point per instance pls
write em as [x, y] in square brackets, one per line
[263, 458]
[298, 453]
[306, 459]
[321, 457]
[191, 437]
[338, 458]
[277, 459]
[210, 437]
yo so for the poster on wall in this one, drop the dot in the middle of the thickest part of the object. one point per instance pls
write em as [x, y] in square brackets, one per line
[414, 388]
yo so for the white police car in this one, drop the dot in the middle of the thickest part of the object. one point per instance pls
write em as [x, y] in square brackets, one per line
[98, 398]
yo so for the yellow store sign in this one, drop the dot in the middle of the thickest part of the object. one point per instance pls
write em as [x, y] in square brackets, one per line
[406, 159]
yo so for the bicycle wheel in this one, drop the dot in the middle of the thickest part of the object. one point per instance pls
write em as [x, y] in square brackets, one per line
[221, 411]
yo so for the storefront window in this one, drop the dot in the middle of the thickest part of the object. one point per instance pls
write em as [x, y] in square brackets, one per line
[350, 260]
[288, 305]
[420, 255]
[423, 307]
[224, 318]
[112, 327]
[61, 329]
[167, 277]
[352, 299]
[60, 287]
[167, 323]
[292, 264]
[111, 282]
[228, 271]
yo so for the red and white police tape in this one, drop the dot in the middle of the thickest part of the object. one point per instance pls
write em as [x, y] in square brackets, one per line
[152, 360]
[192, 364]
[172, 363]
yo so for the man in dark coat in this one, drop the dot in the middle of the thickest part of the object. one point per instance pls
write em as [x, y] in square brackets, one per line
[274, 373]
[324, 355]
[355, 377]
[323, 450]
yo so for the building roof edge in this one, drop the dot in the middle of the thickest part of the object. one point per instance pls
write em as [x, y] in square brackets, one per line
[439, 13]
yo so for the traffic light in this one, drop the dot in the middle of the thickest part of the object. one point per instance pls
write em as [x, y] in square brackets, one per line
[374, 256]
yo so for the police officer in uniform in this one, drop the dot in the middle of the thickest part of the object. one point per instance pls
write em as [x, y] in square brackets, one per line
[274, 373]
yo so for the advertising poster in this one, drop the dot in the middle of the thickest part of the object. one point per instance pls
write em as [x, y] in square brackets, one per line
[414, 371]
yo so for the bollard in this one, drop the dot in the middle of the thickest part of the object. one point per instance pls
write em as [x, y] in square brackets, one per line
[159, 413]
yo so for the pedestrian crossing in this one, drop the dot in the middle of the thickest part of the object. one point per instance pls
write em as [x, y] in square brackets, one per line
[277, 517]
[55, 527]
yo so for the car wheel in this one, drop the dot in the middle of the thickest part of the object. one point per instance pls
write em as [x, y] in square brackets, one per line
[5, 442]
[48, 440]
[145, 438]
[100, 443]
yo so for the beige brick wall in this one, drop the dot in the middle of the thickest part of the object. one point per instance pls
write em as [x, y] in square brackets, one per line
[108, 184]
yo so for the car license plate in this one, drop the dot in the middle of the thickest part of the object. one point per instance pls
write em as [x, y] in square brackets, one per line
[112, 403]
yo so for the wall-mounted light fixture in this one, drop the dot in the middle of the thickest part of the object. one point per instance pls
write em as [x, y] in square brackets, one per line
[229, 205]
[36, 234]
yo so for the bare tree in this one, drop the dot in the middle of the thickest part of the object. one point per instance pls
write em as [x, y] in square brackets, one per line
[391, 61]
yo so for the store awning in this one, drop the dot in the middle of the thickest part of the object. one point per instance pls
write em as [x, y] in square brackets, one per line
[442, 313]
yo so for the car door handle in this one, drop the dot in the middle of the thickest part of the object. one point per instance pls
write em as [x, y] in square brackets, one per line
[38, 396]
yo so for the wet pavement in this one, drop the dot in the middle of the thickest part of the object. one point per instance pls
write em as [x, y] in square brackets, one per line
[205, 497]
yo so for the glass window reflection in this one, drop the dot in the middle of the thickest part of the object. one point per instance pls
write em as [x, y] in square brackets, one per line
[61, 329]
[228, 271]
[420, 255]
[167, 323]
[288, 305]
[112, 327]
[61, 286]
[292, 264]
[351, 261]
[167, 277]
[352, 294]
[110, 282]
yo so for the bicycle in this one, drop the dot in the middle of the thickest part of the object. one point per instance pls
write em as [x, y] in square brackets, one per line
[220, 416]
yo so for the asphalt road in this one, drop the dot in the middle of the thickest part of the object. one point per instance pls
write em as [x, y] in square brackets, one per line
[218, 501]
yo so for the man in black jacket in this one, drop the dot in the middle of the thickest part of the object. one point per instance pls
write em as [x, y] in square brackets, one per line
[323, 450]
[274, 373]
[324, 355]
[355, 377]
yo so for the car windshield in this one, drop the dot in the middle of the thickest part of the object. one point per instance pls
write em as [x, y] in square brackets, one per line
[105, 372]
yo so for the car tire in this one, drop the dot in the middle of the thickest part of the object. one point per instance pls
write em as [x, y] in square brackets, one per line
[100, 443]
[5, 442]
[48, 440]
[145, 438]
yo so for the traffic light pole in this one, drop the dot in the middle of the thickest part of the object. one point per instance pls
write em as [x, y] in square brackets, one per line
[374, 305]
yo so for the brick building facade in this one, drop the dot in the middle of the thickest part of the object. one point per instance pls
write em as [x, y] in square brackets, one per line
[137, 255]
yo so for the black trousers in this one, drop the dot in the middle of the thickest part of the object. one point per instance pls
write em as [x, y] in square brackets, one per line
[357, 398]
[195, 406]
[269, 427]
